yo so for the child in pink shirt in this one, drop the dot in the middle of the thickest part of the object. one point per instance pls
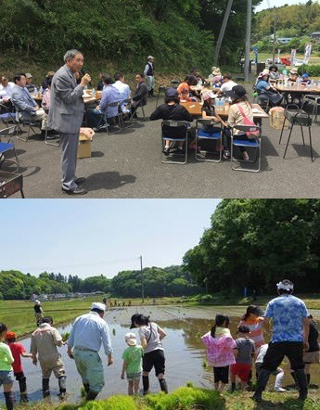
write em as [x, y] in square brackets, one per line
[220, 345]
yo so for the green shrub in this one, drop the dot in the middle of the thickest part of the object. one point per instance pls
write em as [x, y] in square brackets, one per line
[312, 70]
[112, 403]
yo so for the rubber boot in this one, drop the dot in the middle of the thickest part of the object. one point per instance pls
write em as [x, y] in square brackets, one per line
[293, 375]
[23, 390]
[9, 399]
[62, 387]
[86, 387]
[91, 395]
[163, 385]
[302, 383]
[45, 388]
[262, 382]
[308, 379]
[145, 382]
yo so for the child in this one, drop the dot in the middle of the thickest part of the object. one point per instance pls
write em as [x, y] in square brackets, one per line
[220, 345]
[279, 373]
[6, 372]
[18, 350]
[254, 321]
[132, 363]
[244, 351]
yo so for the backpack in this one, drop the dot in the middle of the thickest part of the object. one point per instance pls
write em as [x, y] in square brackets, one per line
[250, 134]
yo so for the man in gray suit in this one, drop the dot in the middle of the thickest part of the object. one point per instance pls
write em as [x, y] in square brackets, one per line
[66, 115]
[27, 106]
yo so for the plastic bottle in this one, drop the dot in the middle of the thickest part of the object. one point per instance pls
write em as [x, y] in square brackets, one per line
[41, 90]
[93, 93]
[35, 91]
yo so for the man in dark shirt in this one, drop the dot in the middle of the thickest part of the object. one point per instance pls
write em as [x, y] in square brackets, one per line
[171, 110]
[139, 97]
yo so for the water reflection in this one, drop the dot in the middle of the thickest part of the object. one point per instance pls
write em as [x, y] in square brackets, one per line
[185, 356]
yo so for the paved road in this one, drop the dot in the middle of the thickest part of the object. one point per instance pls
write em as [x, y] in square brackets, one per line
[127, 165]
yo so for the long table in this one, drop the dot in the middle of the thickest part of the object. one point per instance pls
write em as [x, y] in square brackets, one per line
[194, 108]
[296, 90]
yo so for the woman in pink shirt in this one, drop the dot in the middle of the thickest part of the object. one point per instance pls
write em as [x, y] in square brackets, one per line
[220, 345]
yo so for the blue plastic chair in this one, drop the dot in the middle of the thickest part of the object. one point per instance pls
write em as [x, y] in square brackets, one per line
[208, 155]
[254, 143]
[8, 146]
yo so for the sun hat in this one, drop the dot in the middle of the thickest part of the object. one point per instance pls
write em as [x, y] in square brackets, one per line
[50, 73]
[216, 71]
[207, 95]
[237, 91]
[99, 306]
[130, 339]
[294, 71]
[11, 335]
[28, 75]
[263, 73]
[171, 93]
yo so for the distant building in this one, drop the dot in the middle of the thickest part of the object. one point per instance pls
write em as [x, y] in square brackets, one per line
[315, 34]
[281, 40]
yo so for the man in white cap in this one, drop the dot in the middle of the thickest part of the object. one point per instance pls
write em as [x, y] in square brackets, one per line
[289, 336]
[88, 333]
[38, 311]
[149, 73]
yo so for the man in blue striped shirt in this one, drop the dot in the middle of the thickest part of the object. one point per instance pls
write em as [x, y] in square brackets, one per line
[88, 333]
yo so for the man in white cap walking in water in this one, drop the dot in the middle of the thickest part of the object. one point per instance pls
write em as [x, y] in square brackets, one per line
[88, 332]
[149, 73]
[289, 336]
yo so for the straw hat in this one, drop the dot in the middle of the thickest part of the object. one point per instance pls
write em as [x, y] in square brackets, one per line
[216, 71]
[131, 339]
[294, 71]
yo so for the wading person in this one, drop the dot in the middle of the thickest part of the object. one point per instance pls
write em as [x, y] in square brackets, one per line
[38, 312]
[66, 115]
[88, 333]
[290, 332]
[44, 343]
[6, 371]
[18, 351]
[151, 336]
[132, 363]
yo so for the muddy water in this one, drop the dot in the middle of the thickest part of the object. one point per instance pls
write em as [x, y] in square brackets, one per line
[185, 354]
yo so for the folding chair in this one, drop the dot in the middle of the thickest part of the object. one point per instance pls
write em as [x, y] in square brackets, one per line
[175, 83]
[161, 89]
[254, 143]
[311, 105]
[143, 113]
[116, 128]
[297, 117]
[6, 116]
[216, 136]
[8, 145]
[123, 115]
[28, 122]
[169, 129]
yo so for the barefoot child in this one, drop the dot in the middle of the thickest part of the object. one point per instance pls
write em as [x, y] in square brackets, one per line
[132, 363]
[220, 345]
[18, 350]
[244, 352]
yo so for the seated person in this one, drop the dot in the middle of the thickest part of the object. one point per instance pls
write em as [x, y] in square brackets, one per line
[264, 88]
[30, 87]
[139, 97]
[171, 110]
[292, 81]
[124, 89]
[110, 94]
[208, 113]
[274, 73]
[215, 78]
[293, 77]
[100, 83]
[26, 105]
[46, 96]
[227, 84]
[49, 75]
[186, 89]
[6, 88]
[305, 79]
[235, 117]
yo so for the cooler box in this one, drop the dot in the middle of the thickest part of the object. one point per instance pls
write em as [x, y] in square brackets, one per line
[85, 140]
[277, 118]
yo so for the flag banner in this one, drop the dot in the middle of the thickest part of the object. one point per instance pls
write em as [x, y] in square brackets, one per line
[307, 54]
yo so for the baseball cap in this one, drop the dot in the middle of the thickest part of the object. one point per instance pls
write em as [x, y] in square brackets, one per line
[99, 306]
[237, 91]
[28, 75]
[11, 335]
[150, 57]
[171, 93]
[305, 75]
[207, 95]
[130, 339]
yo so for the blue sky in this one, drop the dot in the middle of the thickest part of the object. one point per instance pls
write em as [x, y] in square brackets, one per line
[278, 3]
[93, 237]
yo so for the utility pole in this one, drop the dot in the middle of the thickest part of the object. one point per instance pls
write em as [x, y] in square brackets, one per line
[248, 38]
[274, 39]
[217, 48]
[142, 280]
